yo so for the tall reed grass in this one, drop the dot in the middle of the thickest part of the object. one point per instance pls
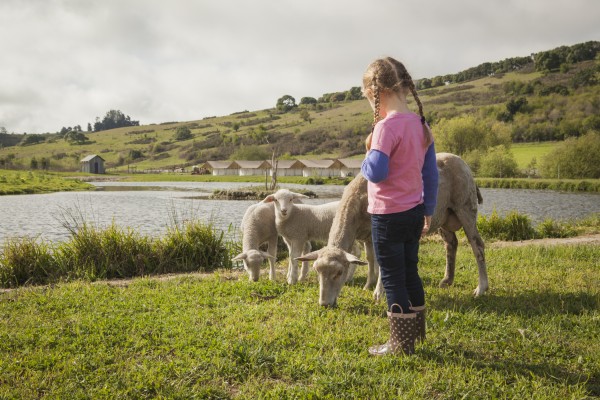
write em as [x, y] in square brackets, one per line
[95, 253]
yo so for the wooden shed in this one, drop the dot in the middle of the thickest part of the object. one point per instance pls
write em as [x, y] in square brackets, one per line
[93, 164]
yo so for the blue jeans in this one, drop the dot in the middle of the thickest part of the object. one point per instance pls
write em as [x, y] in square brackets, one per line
[396, 243]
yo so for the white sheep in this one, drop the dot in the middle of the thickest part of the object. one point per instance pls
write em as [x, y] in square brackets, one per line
[456, 207]
[299, 223]
[258, 227]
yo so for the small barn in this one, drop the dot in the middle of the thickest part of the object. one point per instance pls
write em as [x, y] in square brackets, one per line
[350, 166]
[249, 168]
[220, 168]
[93, 164]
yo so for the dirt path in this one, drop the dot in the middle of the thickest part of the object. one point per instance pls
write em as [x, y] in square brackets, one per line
[585, 239]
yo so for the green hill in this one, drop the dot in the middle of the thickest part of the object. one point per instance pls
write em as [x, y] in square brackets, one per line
[551, 105]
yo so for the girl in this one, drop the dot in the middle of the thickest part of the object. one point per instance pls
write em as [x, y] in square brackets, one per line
[401, 169]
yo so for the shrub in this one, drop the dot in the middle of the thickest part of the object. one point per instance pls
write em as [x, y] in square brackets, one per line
[574, 158]
[193, 247]
[113, 252]
[498, 162]
[513, 226]
[551, 229]
[25, 261]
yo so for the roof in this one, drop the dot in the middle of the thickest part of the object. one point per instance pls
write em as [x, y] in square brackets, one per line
[317, 163]
[221, 165]
[254, 164]
[351, 162]
[289, 164]
[91, 157]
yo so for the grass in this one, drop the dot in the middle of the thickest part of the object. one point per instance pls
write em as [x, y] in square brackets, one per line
[29, 182]
[113, 252]
[525, 152]
[219, 336]
[566, 185]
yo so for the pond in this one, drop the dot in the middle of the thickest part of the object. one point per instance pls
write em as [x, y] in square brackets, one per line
[152, 207]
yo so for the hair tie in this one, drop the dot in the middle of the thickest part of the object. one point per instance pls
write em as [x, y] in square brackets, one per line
[423, 120]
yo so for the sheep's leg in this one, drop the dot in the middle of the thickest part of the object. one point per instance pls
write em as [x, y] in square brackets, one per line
[305, 264]
[469, 222]
[295, 252]
[272, 250]
[373, 271]
[451, 244]
[379, 292]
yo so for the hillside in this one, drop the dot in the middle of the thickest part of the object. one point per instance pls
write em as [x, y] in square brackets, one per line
[559, 104]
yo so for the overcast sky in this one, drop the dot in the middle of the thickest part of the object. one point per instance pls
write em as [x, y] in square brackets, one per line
[66, 62]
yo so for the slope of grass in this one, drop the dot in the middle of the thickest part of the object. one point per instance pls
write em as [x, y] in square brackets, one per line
[28, 182]
[222, 337]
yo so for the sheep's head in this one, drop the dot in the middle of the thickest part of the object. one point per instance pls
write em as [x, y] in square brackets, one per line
[332, 264]
[283, 200]
[253, 259]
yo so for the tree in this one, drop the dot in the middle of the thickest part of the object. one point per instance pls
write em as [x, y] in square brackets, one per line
[75, 137]
[308, 101]
[463, 134]
[305, 115]
[574, 158]
[89, 127]
[498, 163]
[183, 133]
[34, 163]
[114, 119]
[32, 139]
[286, 103]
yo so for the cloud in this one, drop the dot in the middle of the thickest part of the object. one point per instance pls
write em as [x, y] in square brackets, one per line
[66, 62]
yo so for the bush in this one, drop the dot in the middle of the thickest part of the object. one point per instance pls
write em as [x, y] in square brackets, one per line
[498, 162]
[183, 133]
[575, 158]
[513, 226]
[94, 253]
[193, 247]
[551, 229]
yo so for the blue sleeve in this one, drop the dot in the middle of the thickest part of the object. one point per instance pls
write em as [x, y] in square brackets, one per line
[430, 180]
[375, 167]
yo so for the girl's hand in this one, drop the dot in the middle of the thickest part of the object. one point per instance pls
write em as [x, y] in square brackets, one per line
[426, 225]
[368, 141]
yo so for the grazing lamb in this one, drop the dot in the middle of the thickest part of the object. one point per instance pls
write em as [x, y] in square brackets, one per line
[299, 223]
[258, 227]
[456, 207]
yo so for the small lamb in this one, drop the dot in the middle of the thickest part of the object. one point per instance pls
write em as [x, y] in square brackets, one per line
[258, 227]
[299, 223]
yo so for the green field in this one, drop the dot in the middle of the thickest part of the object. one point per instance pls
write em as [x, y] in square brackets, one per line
[219, 336]
[29, 182]
[525, 152]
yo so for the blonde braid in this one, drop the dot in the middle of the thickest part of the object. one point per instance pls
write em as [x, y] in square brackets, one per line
[405, 77]
[377, 101]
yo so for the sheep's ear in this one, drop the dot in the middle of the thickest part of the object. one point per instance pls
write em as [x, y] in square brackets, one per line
[241, 256]
[269, 199]
[351, 258]
[308, 257]
[267, 255]
[299, 196]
